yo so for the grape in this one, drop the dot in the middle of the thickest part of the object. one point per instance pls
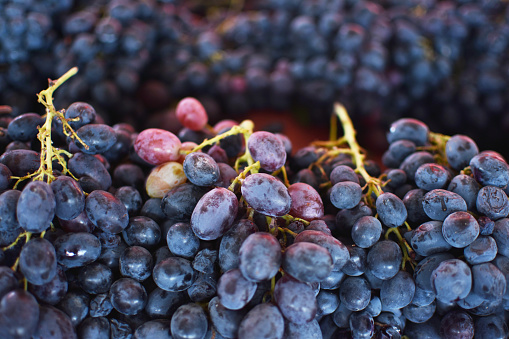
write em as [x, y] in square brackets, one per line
[398, 291]
[38, 198]
[131, 198]
[341, 316]
[466, 187]
[419, 314]
[98, 137]
[414, 206]
[174, 274]
[362, 325]
[327, 302]
[428, 239]
[142, 231]
[262, 321]
[128, 296]
[319, 225]
[431, 176]
[492, 202]
[226, 175]
[100, 305]
[235, 291]
[201, 169]
[38, 262]
[439, 203]
[414, 161]
[219, 155]
[77, 249]
[400, 149]
[232, 241]
[21, 162]
[460, 229]
[191, 114]
[214, 213]
[384, 259]
[309, 330]
[24, 126]
[136, 262]
[5, 177]
[391, 210]
[355, 293]
[268, 149]
[89, 168]
[205, 261]
[189, 321]
[490, 170]
[179, 202]
[162, 304]
[343, 173]
[53, 324]
[106, 212]
[19, 314]
[337, 250]
[501, 236]
[489, 282]
[459, 150]
[266, 194]
[306, 202]
[69, 198]
[345, 194]
[182, 241]
[75, 305]
[94, 328]
[482, 249]
[356, 265]
[299, 309]
[451, 272]
[8, 202]
[260, 256]
[164, 178]
[425, 268]
[307, 262]
[53, 291]
[128, 175]
[83, 112]
[408, 129]
[203, 288]
[457, 324]
[345, 219]
[8, 281]
[491, 327]
[157, 146]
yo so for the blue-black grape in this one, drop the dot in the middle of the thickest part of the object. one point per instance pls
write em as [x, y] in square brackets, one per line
[54, 324]
[356, 265]
[431, 176]
[159, 328]
[98, 137]
[203, 288]
[5, 177]
[21, 162]
[95, 278]
[490, 327]
[8, 280]
[75, 305]
[178, 203]
[142, 231]
[24, 126]
[38, 261]
[362, 325]
[98, 328]
[400, 149]
[398, 291]
[162, 304]
[355, 293]
[466, 187]
[414, 161]
[136, 262]
[343, 173]
[38, 198]
[326, 302]
[384, 259]
[345, 194]
[268, 149]
[439, 203]
[483, 249]
[492, 202]
[260, 256]
[336, 248]
[106, 212]
[120, 329]
[69, 197]
[307, 262]
[83, 112]
[174, 274]
[264, 320]
[490, 170]
[295, 299]
[419, 314]
[428, 239]
[391, 210]
[345, 219]
[214, 213]
[128, 296]
[232, 241]
[460, 229]
[266, 194]
[309, 330]
[201, 169]
[413, 204]
[182, 241]
[501, 236]
[19, 314]
[459, 150]
[205, 261]
[457, 324]
[488, 283]
[100, 305]
[131, 198]
[53, 291]
[77, 249]
[90, 171]
[408, 129]
[451, 272]
[235, 291]
[189, 321]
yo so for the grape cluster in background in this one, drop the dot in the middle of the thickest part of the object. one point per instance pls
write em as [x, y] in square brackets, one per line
[444, 62]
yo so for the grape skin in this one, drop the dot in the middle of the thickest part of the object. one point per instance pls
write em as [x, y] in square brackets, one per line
[157, 146]
[266, 194]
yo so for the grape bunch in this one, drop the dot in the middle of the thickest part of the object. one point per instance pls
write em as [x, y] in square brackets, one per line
[225, 231]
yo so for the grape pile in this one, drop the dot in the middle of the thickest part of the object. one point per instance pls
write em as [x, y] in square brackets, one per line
[444, 62]
[225, 232]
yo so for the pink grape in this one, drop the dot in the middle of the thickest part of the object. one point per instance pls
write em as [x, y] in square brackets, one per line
[157, 146]
[306, 202]
[191, 114]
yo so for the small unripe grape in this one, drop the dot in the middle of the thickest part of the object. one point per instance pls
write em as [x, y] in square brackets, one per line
[163, 178]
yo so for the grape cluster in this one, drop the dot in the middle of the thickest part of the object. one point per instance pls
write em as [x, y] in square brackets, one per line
[226, 232]
[442, 61]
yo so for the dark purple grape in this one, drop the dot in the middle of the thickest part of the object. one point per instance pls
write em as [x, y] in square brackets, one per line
[77, 249]
[362, 325]
[5, 177]
[83, 112]
[19, 314]
[428, 239]
[131, 198]
[174, 274]
[162, 304]
[205, 261]
[306, 202]
[178, 203]
[419, 314]
[266, 194]
[398, 291]
[100, 305]
[201, 169]
[460, 229]
[54, 324]
[355, 293]
[501, 236]
[226, 175]
[466, 187]
[8, 280]
[492, 202]
[38, 198]
[482, 249]
[491, 327]
[189, 321]
[295, 299]
[24, 126]
[98, 137]
[128, 296]
[307, 262]
[268, 149]
[21, 162]
[451, 272]
[345, 194]
[90, 171]
[262, 321]
[459, 150]
[490, 170]
[136, 262]
[38, 261]
[95, 278]
[98, 328]
[260, 256]
[106, 212]
[345, 219]
[400, 149]
[337, 250]
[232, 241]
[182, 241]
[326, 302]
[142, 231]
[203, 288]
[414, 161]
[439, 203]
[159, 328]
[457, 325]
[53, 291]
[69, 197]
[431, 176]
[391, 210]
[356, 265]
[366, 231]
[120, 329]
[225, 321]
[75, 305]
[408, 129]
[343, 173]
[235, 291]
[384, 259]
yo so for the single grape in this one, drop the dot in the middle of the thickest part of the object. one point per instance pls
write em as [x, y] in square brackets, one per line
[19, 314]
[491, 327]
[38, 198]
[345, 194]
[362, 325]
[267, 195]
[262, 321]
[336, 248]
[53, 291]
[131, 198]
[366, 231]
[232, 241]
[326, 302]
[77, 249]
[174, 274]
[214, 213]
[460, 229]
[408, 129]
[235, 291]
[128, 296]
[201, 169]
[309, 330]
[136, 262]
[142, 231]
[189, 321]
[492, 202]
[307, 262]
[466, 187]
[490, 170]
[296, 300]
[205, 261]
[203, 288]
[69, 198]
[24, 126]
[21, 161]
[391, 210]
[457, 325]
[268, 149]
[428, 239]
[459, 150]
[81, 114]
[75, 305]
[179, 202]
[439, 203]
[306, 202]
[414, 161]
[5, 177]
[343, 173]
[226, 175]
[182, 241]
[98, 137]
[345, 219]
[356, 265]
[384, 259]
[100, 305]
[106, 212]
[157, 146]
[482, 249]
[419, 314]
[98, 328]
[191, 114]
[260, 256]
[164, 178]
[89, 169]
[355, 293]
[451, 273]
[431, 176]
[38, 262]
[396, 178]
[400, 149]
[398, 291]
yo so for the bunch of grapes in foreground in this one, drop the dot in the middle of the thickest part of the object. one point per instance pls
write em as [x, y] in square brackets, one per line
[226, 232]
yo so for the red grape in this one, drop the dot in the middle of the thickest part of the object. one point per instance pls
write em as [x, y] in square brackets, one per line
[157, 146]
[191, 113]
